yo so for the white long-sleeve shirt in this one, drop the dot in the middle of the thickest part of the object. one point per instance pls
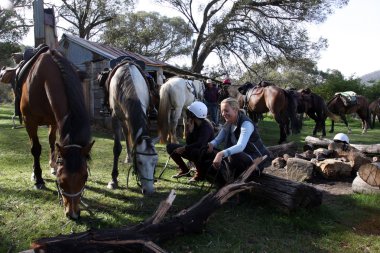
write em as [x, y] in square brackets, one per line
[247, 129]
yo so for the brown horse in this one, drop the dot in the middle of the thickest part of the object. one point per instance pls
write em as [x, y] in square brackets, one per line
[51, 94]
[374, 109]
[338, 106]
[270, 98]
[315, 107]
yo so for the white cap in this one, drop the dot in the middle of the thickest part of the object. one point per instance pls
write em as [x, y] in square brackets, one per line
[208, 81]
[199, 109]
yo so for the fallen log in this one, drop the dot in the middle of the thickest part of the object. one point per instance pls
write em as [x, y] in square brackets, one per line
[285, 194]
[370, 173]
[372, 149]
[143, 237]
[289, 148]
[360, 186]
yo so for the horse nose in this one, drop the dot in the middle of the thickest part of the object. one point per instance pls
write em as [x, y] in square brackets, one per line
[73, 215]
[148, 191]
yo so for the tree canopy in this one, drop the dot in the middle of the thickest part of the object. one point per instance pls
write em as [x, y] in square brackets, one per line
[88, 17]
[253, 31]
[149, 34]
[13, 23]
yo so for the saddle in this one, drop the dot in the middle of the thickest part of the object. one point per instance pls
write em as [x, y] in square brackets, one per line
[29, 58]
[349, 98]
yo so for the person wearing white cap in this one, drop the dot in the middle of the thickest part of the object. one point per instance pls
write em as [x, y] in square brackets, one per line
[211, 100]
[199, 132]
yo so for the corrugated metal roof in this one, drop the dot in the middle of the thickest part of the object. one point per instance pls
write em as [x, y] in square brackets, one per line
[111, 52]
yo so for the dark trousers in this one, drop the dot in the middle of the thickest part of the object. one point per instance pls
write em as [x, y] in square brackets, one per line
[192, 155]
[231, 167]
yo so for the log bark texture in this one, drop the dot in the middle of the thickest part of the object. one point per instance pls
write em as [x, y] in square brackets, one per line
[373, 149]
[289, 148]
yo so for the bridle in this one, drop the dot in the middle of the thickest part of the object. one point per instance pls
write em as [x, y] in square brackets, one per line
[133, 166]
[61, 192]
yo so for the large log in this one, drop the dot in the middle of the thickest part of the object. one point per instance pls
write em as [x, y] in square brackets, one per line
[285, 194]
[143, 237]
[289, 148]
[370, 173]
[372, 149]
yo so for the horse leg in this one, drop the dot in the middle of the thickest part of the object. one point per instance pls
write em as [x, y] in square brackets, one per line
[36, 152]
[128, 158]
[117, 148]
[283, 125]
[332, 126]
[52, 139]
[174, 116]
[343, 117]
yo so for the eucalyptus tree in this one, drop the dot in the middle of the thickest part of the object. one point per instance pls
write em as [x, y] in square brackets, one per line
[87, 18]
[13, 22]
[13, 26]
[253, 30]
[149, 34]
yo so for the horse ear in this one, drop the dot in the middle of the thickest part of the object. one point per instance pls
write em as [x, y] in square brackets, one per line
[139, 132]
[86, 150]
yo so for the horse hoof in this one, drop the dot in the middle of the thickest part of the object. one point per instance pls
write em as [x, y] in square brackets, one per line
[40, 186]
[53, 171]
[112, 185]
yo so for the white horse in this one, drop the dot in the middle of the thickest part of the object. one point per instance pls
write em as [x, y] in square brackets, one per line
[129, 101]
[175, 95]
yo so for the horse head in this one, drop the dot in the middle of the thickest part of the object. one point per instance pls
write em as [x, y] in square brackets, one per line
[72, 174]
[145, 160]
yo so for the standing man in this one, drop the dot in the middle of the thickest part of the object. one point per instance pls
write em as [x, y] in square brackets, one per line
[211, 101]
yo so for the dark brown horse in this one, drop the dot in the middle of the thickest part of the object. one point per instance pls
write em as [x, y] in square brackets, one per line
[270, 98]
[338, 105]
[374, 109]
[51, 94]
[315, 107]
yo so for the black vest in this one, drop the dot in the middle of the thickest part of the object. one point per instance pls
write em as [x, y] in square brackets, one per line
[255, 147]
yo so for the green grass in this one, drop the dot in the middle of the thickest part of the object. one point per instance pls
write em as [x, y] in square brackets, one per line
[350, 223]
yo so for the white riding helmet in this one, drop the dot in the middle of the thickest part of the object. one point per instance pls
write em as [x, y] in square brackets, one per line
[199, 109]
[341, 137]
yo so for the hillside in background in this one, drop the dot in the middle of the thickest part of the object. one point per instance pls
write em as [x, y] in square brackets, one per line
[370, 77]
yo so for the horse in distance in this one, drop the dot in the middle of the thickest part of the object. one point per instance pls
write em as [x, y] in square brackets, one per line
[374, 109]
[175, 95]
[315, 107]
[129, 100]
[52, 94]
[267, 97]
[341, 105]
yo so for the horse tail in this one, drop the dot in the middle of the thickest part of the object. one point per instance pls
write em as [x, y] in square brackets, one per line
[164, 109]
[292, 111]
[329, 113]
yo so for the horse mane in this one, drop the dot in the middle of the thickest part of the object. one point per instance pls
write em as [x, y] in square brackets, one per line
[130, 102]
[77, 124]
